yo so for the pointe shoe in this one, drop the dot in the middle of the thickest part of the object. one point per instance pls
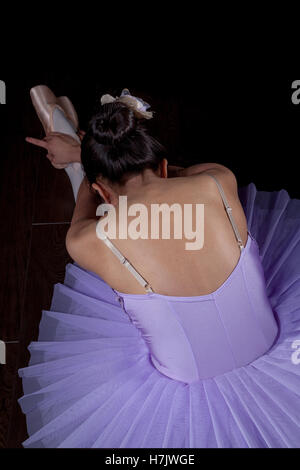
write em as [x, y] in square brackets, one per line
[69, 110]
[46, 104]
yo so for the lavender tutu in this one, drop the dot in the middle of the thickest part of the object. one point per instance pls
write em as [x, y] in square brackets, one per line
[117, 370]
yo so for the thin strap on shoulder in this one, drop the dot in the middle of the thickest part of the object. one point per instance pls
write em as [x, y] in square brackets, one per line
[124, 260]
[229, 213]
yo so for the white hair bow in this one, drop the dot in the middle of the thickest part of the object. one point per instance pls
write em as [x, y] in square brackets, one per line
[138, 106]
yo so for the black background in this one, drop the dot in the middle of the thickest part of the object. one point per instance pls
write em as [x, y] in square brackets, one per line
[247, 123]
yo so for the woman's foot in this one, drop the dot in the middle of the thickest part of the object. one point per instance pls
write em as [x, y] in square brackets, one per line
[55, 114]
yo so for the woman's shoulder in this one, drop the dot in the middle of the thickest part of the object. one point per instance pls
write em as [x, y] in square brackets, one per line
[81, 238]
[221, 172]
[206, 180]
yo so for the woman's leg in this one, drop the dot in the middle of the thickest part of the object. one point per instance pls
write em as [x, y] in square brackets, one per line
[76, 175]
[73, 170]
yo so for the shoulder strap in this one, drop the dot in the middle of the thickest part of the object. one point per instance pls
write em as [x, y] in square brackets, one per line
[130, 267]
[124, 261]
[229, 213]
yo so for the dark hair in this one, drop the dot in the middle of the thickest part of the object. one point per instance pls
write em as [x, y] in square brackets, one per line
[116, 145]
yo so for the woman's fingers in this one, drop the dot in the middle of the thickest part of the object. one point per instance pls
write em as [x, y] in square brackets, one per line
[38, 142]
[41, 143]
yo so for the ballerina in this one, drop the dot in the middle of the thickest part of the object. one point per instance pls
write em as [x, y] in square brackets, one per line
[148, 345]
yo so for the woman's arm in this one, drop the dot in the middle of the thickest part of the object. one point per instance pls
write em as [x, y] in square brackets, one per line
[196, 169]
[85, 209]
[84, 219]
[62, 149]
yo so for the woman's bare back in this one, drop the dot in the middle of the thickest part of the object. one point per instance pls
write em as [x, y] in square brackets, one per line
[166, 264]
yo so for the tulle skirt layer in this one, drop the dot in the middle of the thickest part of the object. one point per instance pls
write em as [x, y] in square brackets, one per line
[90, 382]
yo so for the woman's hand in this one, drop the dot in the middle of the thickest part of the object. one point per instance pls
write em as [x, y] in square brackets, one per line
[62, 149]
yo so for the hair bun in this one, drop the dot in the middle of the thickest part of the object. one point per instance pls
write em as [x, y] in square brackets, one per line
[117, 145]
[115, 122]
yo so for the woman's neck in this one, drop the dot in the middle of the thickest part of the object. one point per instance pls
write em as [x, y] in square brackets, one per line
[138, 182]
